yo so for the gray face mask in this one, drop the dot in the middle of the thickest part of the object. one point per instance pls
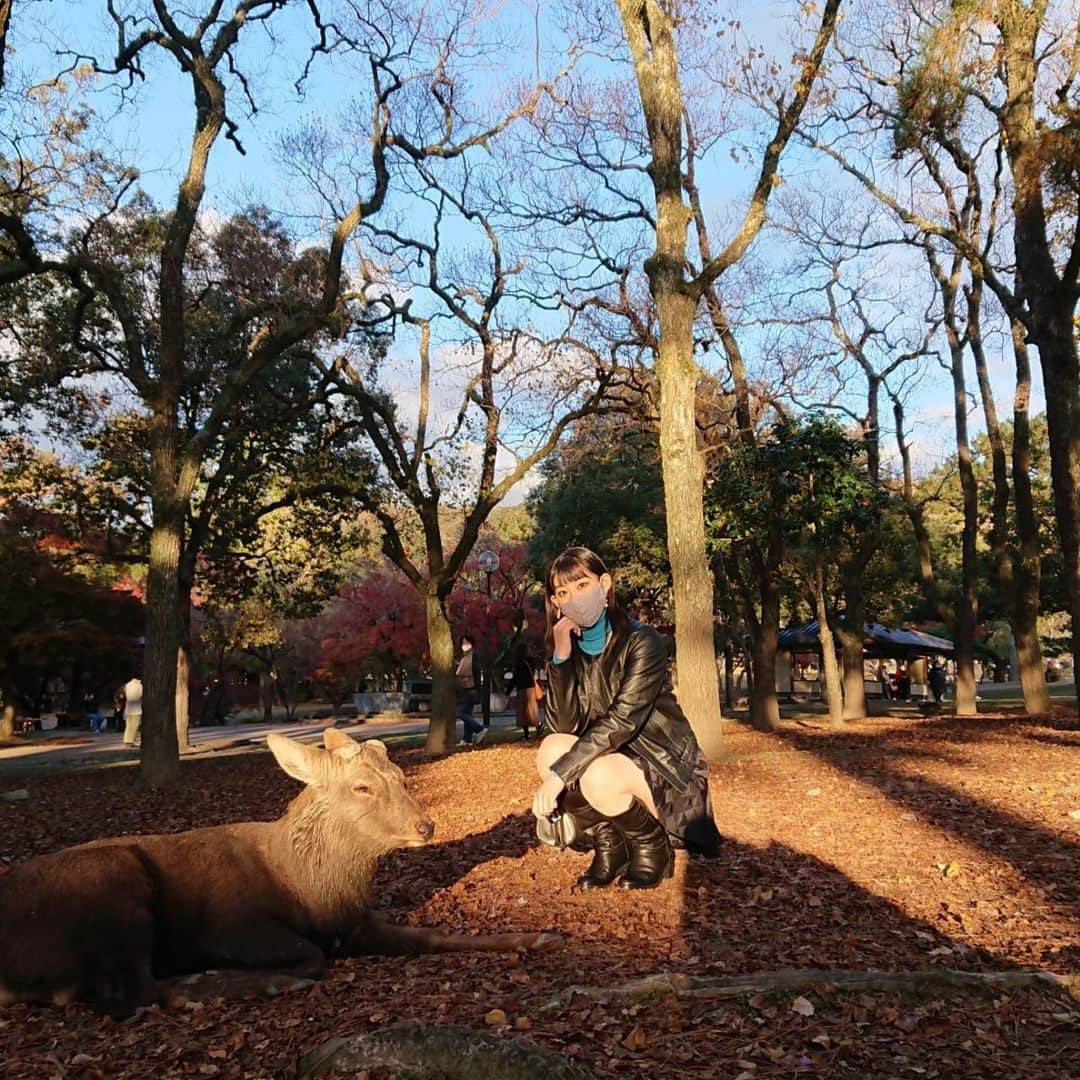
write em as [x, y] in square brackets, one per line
[587, 608]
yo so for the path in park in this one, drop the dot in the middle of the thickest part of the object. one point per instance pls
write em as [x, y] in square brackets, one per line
[80, 749]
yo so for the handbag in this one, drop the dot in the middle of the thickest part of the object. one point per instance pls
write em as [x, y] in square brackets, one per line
[538, 690]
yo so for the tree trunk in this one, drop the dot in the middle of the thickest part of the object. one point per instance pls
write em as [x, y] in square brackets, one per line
[1060, 371]
[7, 722]
[729, 675]
[852, 635]
[683, 470]
[764, 707]
[442, 730]
[650, 36]
[1051, 298]
[1028, 556]
[833, 693]
[266, 695]
[967, 610]
[160, 759]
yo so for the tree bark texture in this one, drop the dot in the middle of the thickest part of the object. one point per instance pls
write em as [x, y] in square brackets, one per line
[967, 610]
[1051, 297]
[650, 36]
[850, 633]
[160, 760]
[834, 693]
[764, 706]
[1028, 554]
[442, 731]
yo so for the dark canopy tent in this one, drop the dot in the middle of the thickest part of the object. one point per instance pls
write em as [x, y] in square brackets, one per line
[878, 642]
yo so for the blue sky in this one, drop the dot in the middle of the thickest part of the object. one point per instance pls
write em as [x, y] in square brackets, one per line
[156, 135]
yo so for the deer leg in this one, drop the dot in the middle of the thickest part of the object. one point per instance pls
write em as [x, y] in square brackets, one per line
[375, 936]
[267, 946]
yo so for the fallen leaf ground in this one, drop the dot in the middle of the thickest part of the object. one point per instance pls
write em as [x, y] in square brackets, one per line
[898, 845]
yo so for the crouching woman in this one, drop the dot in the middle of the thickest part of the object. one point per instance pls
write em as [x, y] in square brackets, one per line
[621, 769]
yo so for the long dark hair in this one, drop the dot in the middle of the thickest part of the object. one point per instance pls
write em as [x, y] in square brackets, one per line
[572, 565]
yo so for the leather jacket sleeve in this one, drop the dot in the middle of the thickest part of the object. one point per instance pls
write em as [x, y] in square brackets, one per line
[643, 678]
[560, 709]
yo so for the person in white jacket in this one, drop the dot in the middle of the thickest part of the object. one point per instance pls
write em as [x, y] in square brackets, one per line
[133, 690]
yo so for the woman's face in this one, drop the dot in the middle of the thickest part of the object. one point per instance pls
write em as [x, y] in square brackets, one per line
[568, 589]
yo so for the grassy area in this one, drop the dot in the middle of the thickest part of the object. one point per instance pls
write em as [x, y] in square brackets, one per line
[1063, 692]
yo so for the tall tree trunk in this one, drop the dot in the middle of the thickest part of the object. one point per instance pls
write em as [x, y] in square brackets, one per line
[729, 676]
[5, 23]
[1060, 366]
[683, 470]
[967, 609]
[834, 694]
[442, 730]
[650, 36]
[1051, 298]
[160, 759]
[918, 522]
[764, 706]
[7, 722]
[1028, 556]
[851, 635]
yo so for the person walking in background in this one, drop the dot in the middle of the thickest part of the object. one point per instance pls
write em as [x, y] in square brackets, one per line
[884, 680]
[525, 689]
[620, 766]
[936, 680]
[93, 713]
[133, 690]
[467, 679]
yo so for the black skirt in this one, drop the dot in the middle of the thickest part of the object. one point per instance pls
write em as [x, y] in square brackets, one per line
[686, 815]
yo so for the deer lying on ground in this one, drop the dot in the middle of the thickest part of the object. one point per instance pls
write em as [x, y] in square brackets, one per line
[110, 922]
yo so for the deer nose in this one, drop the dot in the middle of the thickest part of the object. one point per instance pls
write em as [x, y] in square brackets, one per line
[426, 829]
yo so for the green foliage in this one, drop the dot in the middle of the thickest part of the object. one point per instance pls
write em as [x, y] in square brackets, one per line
[603, 489]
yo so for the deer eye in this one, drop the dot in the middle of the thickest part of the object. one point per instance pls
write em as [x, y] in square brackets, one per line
[361, 789]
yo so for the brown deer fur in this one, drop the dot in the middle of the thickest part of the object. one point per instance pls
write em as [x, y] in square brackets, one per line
[108, 921]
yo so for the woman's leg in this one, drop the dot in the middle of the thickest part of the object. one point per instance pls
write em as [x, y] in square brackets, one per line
[608, 784]
[612, 782]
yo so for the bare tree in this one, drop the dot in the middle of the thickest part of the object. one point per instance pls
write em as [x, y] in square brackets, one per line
[964, 90]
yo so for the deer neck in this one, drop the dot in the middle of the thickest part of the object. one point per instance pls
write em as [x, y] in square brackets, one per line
[330, 873]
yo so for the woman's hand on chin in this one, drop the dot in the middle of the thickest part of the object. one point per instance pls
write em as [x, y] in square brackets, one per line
[562, 633]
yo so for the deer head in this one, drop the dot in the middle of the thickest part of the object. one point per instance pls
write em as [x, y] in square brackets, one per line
[359, 792]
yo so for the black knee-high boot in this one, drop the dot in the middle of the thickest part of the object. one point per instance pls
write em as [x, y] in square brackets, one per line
[611, 856]
[651, 857]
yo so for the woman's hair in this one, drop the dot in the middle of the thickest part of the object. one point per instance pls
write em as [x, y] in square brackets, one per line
[572, 565]
[469, 638]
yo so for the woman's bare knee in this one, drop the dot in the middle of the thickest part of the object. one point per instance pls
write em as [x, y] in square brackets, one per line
[551, 749]
[611, 781]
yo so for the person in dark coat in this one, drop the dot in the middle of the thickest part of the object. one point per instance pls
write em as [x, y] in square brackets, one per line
[620, 766]
[467, 678]
[936, 680]
[526, 699]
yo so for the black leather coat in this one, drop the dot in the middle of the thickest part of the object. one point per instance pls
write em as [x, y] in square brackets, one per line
[620, 700]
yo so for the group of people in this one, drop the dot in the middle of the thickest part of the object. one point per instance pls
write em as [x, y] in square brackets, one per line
[621, 772]
[897, 686]
[468, 678]
[127, 703]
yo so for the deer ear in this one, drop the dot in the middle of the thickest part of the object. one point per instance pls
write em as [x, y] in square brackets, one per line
[335, 740]
[303, 763]
[377, 747]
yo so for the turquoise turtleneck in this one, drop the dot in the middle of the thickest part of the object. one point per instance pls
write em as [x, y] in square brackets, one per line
[593, 638]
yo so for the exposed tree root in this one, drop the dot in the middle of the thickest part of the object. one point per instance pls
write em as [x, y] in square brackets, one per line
[456, 1053]
[932, 980]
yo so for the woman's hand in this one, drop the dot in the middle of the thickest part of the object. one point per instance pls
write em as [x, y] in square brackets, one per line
[547, 795]
[562, 633]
